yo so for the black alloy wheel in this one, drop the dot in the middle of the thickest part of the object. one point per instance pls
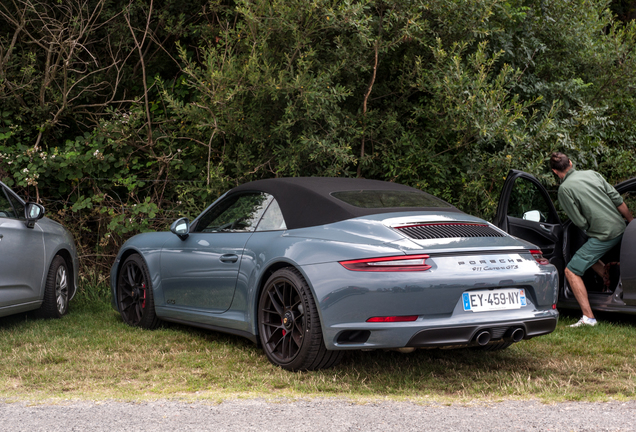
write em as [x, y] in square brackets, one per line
[289, 326]
[134, 294]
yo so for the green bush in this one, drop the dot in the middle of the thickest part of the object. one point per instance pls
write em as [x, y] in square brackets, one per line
[139, 113]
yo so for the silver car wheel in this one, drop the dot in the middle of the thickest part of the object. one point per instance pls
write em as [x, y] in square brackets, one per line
[57, 290]
[61, 290]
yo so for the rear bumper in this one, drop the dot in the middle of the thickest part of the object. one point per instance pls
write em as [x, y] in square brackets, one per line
[466, 335]
[459, 330]
[347, 300]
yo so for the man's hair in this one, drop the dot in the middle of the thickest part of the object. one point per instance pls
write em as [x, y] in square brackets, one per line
[559, 161]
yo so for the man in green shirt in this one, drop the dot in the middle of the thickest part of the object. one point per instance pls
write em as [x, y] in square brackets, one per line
[597, 208]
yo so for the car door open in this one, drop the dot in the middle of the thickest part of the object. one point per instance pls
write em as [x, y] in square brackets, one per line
[628, 245]
[526, 211]
[628, 273]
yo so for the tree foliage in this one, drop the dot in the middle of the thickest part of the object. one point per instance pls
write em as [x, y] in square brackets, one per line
[120, 116]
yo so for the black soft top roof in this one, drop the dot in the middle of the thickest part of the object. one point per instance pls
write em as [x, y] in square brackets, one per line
[307, 201]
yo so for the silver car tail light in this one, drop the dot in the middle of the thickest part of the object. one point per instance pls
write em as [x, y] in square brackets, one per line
[538, 256]
[400, 263]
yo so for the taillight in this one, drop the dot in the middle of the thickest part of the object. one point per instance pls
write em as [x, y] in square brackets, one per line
[389, 264]
[403, 318]
[538, 256]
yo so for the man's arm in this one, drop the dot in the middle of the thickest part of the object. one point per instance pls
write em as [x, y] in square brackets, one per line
[611, 192]
[625, 212]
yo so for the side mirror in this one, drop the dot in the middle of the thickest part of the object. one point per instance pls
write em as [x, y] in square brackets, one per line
[181, 227]
[32, 213]
[532, 215]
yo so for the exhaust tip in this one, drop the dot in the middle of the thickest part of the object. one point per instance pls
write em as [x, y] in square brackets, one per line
[517, 334]
[483, 338]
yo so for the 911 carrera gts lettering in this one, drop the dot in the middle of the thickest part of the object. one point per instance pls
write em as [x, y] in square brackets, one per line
[509, 267]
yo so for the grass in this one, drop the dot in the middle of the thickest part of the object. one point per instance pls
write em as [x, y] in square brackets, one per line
[91, 354]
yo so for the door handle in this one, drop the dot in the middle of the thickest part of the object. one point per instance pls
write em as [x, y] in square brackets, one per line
[545, 227]
[229, 258]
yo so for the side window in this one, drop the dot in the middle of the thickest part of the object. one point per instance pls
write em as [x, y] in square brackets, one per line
[273, 219]
[10, 207]
[6, 209]
[527, 202]
[17, 206]
[238, 213]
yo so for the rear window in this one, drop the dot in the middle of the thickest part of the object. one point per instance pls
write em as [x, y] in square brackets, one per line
[388, 199]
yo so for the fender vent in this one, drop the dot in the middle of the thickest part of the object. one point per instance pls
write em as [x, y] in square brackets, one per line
[448, 230]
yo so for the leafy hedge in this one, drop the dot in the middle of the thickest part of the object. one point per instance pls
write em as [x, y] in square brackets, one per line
[121, 116]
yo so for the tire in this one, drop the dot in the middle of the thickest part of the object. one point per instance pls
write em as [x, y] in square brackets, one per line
[495, 346]
[289, 325]
[135, 299]
[56, 290]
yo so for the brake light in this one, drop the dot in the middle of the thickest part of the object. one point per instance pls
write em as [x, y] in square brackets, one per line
[538, 256]
[404, 318]
[400, 263]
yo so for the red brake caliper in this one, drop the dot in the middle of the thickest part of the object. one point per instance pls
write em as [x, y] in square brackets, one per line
[143, 304]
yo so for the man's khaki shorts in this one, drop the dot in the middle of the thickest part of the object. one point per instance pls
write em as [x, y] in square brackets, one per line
[589, 253]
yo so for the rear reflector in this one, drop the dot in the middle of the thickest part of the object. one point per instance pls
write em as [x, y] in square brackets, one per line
[404, 318]
[389, 264]
[538, 256]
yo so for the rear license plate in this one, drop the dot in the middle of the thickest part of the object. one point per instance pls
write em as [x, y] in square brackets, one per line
[490, 300]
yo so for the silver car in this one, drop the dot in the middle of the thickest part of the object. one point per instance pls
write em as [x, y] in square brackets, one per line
[38, 259]
[311, 267]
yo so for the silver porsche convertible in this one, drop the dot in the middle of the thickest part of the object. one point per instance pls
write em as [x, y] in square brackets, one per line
[38, 259]
[311, 267]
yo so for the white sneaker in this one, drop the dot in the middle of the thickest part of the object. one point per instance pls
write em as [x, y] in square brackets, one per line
[585, 321]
